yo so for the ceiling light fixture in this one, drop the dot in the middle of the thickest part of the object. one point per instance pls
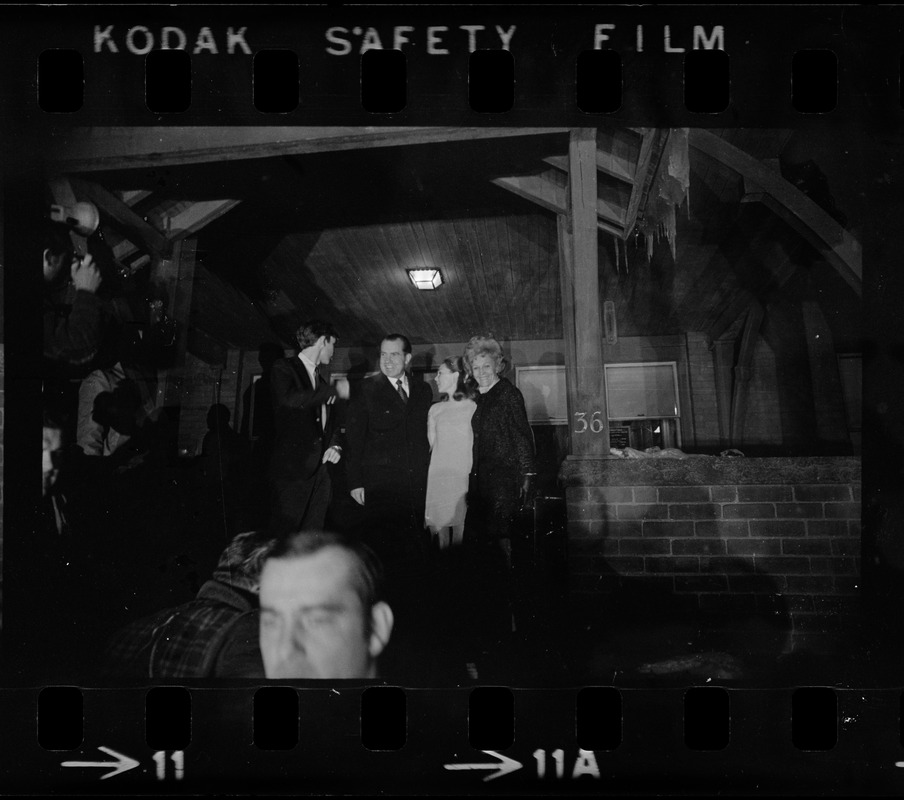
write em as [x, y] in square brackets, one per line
[426, 279]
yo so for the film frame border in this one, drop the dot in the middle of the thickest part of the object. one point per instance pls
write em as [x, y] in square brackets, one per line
[645, 106]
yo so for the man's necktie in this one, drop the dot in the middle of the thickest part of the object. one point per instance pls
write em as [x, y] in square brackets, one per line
[402, 392]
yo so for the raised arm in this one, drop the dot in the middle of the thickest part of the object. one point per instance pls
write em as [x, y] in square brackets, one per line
[286, 393]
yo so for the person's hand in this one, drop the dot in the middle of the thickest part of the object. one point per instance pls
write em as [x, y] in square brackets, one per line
[358, 495]
[527, 491]
[332, 456]
[342, 390]
[85, 275]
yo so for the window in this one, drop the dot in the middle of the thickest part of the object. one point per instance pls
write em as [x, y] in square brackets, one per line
[642, 403]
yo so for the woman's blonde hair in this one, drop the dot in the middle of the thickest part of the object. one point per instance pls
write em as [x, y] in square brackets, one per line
[484, 346]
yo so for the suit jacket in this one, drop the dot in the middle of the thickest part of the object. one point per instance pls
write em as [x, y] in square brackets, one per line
[299, 441]
[387, 437]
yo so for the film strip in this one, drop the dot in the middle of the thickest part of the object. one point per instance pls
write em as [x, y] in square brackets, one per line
[176, 98]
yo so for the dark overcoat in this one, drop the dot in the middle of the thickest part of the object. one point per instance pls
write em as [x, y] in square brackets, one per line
[387, 452]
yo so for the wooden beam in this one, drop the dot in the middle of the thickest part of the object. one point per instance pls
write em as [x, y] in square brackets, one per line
[227, 313]
[124, 249]
[589, 424]
[553, 197]
[723, 359]
[742, 371]
[176, 276]
[781, 268]
[607, 163]
[98, 148]
[815, 225]
[825, 379]
[199, 214]
[208, 348]
[569, 332]
[122, 216]
[541, 191]
[647, 163]
[131, 197]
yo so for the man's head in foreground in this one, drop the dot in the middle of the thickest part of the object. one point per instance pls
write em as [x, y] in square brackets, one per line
[53, 442]
[322, 615]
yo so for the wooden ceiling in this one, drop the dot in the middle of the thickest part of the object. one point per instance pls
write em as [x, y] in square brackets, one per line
[329, 232]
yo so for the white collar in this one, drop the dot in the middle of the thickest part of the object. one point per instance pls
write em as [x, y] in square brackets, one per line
[309, 365]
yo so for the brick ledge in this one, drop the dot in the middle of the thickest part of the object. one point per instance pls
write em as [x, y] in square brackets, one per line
[708, 471]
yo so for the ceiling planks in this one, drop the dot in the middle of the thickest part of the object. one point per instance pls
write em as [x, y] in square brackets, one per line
[333, 235]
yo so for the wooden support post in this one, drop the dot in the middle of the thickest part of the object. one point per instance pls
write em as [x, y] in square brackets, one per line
[828, 395]
[588, 419]
[742, 371]
[723, 359]
[176, 276]
[566, 287]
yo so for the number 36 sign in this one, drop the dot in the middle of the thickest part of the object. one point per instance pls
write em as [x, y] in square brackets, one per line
[595, 424]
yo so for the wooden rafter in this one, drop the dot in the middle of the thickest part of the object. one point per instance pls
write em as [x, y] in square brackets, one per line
[651, 146]
[197, 215]
[121, 215]
[552, 196]
[133, 196]
[782, 268]
[130, 148]
[837, 245]
[605, 163]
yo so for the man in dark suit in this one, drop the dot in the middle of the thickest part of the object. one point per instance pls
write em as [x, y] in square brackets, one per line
[307, 439]
[388, 452]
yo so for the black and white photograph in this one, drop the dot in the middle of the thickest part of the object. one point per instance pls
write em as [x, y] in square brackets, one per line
[694, 512]
[601, 409]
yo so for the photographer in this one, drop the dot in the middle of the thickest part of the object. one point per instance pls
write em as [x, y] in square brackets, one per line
[72, 311]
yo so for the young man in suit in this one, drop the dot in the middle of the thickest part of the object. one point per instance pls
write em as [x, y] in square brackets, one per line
[388, 453]
[306, 437]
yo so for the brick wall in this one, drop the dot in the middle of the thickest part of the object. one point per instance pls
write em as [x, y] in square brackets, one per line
[727, 536]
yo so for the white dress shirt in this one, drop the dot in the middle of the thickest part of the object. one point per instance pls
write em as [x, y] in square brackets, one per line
[311, 367]
[404, 379]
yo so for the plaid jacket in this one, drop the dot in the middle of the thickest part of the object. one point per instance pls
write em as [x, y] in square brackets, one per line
[213, 636]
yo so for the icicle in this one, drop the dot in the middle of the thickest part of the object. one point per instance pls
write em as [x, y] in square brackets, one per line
[670, 226]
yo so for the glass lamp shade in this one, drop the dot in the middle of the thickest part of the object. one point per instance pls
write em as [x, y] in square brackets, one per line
[426, 279]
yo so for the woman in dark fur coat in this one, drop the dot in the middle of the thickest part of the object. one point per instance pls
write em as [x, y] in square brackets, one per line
[501, 479]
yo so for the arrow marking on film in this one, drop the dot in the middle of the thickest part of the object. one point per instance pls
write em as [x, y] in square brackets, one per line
[505, 766]
[122, 763]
